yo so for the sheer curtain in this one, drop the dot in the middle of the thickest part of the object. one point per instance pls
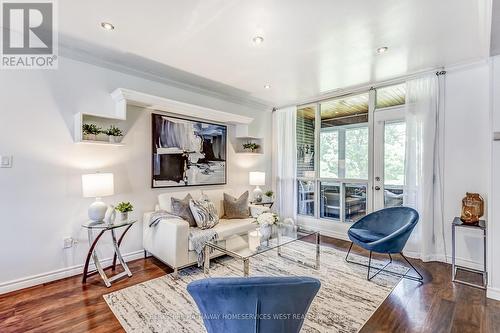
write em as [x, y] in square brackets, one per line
[423, 190]
[285, 161]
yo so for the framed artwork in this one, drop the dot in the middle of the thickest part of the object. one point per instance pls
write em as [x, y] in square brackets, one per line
[187, 152]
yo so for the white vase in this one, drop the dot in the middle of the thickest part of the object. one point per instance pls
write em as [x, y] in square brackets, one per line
[265, 231]
[124, 216]
[115, 139]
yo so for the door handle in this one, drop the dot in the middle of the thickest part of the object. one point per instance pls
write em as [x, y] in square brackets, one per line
[377, 188]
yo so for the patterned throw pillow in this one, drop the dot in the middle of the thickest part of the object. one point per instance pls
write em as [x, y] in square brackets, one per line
[181, 209]
[204, 213]
[236, 208]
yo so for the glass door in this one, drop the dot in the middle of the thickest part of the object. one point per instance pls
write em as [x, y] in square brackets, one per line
[389, 158]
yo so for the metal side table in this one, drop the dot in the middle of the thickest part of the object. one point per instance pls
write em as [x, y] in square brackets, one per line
[103, 227]
[457, 223]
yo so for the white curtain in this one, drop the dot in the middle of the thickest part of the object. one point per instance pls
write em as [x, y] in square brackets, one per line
[285, 161]
[423, 190]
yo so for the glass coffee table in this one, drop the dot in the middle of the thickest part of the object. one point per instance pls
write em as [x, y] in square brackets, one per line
[240, 248]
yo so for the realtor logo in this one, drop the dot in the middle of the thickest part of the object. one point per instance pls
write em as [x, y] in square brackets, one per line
[28, 35]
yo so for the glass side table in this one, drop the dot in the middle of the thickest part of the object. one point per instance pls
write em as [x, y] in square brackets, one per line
[457, 223]
[102, 228]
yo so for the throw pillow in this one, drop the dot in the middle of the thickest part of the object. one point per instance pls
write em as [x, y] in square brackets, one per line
[204, 213]
[181, 209]
[236, 208]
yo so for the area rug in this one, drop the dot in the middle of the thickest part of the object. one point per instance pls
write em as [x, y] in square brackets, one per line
[344, 303]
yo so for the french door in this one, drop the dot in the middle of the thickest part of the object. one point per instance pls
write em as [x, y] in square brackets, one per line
[389, 141]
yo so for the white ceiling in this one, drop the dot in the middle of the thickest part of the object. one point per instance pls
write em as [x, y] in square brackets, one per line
[310, 47]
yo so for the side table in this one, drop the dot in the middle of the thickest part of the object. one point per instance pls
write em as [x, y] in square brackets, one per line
[457, 223]
[263, 203]
[102, 228]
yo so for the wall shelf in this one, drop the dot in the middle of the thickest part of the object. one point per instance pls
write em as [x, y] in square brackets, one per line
[103, 121]
[244, 139]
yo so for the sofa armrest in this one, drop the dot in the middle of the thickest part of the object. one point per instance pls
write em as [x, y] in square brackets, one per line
[167, 240]
[256, 210]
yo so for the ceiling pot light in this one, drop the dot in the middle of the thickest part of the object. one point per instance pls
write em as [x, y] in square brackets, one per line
[107, 26]
[258, 40]
[382, 49]
[267, 86]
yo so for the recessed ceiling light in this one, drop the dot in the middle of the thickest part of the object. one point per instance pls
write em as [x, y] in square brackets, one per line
[258, 40]
[267, 86]
[107, 26]
[382, 49]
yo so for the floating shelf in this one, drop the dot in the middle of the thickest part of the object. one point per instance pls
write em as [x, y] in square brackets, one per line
[241, 140]
[100, 120]
[99, 142]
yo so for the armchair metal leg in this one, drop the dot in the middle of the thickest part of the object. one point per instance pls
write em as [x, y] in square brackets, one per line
[420, 278]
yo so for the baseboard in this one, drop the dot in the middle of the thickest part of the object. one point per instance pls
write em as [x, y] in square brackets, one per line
[34, 280]
[493, 293]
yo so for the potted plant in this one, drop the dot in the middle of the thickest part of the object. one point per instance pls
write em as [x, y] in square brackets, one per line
[115, 134]
[124, 208]
[90, 131]
[251, 146]
[269, 194]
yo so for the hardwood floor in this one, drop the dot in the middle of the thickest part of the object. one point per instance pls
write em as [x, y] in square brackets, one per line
[436, 306]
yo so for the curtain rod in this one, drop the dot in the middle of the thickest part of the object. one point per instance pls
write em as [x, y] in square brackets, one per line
[365, 87]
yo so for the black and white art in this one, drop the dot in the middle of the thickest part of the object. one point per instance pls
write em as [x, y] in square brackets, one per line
[187, 152]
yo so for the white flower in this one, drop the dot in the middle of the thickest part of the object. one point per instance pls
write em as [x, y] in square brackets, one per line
[267, 218]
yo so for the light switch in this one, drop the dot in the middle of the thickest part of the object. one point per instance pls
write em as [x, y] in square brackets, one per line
[5, 161]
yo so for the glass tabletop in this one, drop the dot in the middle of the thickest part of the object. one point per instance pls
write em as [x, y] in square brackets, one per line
[102, 225]
[247, 245]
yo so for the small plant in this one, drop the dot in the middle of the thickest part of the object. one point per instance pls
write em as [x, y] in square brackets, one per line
[269, 194]
[124, 207]
[251, 145]
[113, 131]
[91, 129]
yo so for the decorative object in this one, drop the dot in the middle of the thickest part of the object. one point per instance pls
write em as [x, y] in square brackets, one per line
[384, 231]
[187, 152]
[180, 207]
[472, 208]
[110, 216]
[114, 133]
[285, 299]
[236, 208]
[257, 179]
[97, 185]
[269, 194]
[90, 131]
[265, 232]
[204, 213]
[102, 228]
[142, 307]
[124, 208]
[254, 239]
[251, 147]
[480, 226]
[266, 222]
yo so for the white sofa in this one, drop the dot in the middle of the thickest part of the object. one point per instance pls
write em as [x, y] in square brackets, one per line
[168, 240]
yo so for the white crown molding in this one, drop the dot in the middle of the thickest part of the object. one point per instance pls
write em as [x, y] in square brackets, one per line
[62, 273]
[85, 57]
[124, 97]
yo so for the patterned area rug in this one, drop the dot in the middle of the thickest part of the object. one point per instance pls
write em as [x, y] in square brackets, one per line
[344, 303]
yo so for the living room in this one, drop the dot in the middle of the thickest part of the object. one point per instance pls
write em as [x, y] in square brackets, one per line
[268, 166]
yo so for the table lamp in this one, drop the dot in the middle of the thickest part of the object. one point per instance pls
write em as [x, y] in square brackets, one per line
[97, 185]
[257, 178]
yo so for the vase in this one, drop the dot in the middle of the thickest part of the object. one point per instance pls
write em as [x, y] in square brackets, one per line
[115, 139]
[472, 208]
[124, 216]
[90, 137]
[265, 231]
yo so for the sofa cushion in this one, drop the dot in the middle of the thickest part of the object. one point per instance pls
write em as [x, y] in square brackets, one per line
[182, 209]
[205, 213]
[227, 228]
[236, 208]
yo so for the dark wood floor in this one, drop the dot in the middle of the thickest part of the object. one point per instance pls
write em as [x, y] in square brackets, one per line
[436, 306]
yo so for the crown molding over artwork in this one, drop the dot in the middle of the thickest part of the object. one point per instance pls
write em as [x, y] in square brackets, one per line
[124, 97]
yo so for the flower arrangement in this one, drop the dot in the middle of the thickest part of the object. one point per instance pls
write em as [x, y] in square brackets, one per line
[265, 219]
[252, 146]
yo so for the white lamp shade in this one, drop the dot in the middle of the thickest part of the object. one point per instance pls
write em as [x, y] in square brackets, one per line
[257, 178]
[97, 185]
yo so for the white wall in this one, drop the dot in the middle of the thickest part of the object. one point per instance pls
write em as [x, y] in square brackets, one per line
[494, 208]
[466, 158]
[40, 197]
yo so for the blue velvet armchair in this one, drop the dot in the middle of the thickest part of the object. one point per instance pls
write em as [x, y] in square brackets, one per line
[385, 231]
[255, 304]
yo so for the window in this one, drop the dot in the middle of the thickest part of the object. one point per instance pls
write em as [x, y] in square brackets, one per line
[306, 122]
[391, 96]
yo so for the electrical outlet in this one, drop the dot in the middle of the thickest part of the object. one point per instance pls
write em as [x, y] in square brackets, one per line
[69, 242]
[5, 161]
